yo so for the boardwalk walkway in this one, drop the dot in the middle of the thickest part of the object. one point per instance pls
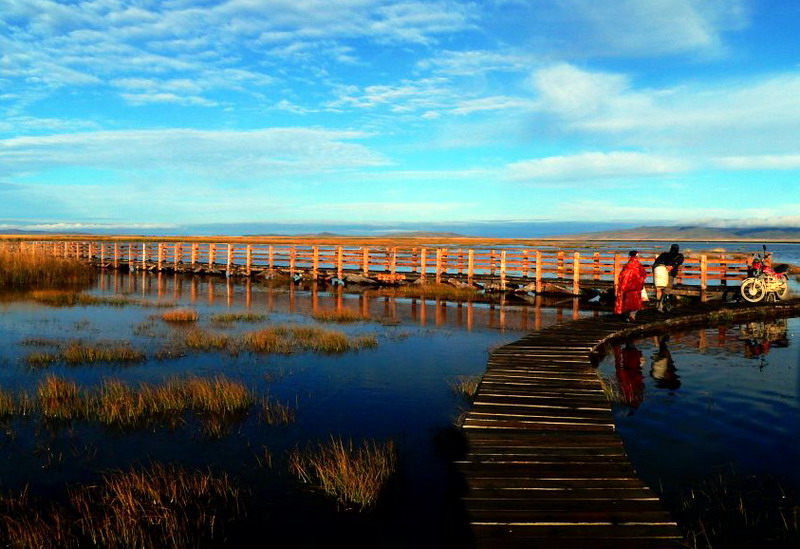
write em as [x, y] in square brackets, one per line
[544, 465]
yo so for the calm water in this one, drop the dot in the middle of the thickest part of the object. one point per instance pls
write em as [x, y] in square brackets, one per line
[720, 402]
[399, 390]
[711, 400]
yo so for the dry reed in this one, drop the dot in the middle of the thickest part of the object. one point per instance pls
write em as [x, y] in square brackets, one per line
[285, 340]
[21, 270]
[275, 413]
[229, 318]
[60, 399]
[77, 352]
[180, 316]
[355, 476]
[342, 316]
[433, 291]
[466, 386]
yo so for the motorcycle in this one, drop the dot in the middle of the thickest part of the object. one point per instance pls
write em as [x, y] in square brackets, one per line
[765, 281]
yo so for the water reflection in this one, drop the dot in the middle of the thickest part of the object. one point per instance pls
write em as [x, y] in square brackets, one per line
[662, 367]
[760, 337]
[500, 312]
[628, 362]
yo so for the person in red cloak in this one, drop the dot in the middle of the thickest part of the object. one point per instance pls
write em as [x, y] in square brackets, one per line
[628, 293]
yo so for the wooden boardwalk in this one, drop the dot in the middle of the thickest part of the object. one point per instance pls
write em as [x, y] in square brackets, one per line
[545, 466]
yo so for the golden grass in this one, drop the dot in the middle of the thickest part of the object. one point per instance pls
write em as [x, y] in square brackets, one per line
[8, 407]
[21, 270]
[180, 316]
[229, 318]
[341, 315]
[355, 476]
[203, 340]
[71, 298]
[289, 339]
[157, 506]
[58, 398]
[275, 413]
[78, 352]
[466, 386]
[432, 291]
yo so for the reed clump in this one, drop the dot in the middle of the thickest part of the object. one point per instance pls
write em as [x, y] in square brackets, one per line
[433, 291]
[204, 340]
[22, 270]
[289, 339]
[180, 316]
[275, 413]
[341, 316]
[230, 318]
[60, 399]
[354, 475]
[467, 386]
[78, 352]
[156, 506]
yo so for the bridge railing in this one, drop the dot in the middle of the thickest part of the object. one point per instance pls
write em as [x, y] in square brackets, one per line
[503, 266]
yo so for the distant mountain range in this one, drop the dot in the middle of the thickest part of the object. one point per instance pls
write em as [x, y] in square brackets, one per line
[696, 233]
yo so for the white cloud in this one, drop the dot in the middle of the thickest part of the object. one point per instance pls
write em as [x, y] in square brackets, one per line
[595, 165]
[760, 162]
[221, 154]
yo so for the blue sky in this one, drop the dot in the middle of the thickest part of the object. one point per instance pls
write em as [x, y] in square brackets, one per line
[156, 115]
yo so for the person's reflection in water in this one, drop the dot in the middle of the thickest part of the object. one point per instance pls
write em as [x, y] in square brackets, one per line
[628, 362]
[662, 369]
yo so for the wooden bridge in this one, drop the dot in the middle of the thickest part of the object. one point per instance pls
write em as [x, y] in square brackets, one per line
[544, 466]
[547, 269]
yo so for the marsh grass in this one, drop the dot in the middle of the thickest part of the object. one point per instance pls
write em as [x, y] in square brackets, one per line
[273, 412]
[467, 386]
[180, 316]
[729, 509]
[433, 291]
[612, 390]
[78, 352]
[60, 399]
[156, 506]
[230, 318]
[289, 339]
[203, 340]
[71, 298]
[354, 475]
[22, 270]
[341, 316]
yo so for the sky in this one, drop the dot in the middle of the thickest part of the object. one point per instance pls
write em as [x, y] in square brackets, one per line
[168, 115]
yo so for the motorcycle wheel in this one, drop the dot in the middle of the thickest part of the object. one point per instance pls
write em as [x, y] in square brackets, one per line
[753, 290]
[783, 288]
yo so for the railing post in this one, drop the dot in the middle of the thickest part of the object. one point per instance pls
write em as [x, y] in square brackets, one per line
[470, 265]
[212, 248]
[616, 270]
[248, 267]
[503, 270]
[271, 257]
[422, 263]
[438, 277]
[576, 273]
[365, 261]
[393, 263]
[539, 285]
[314, 262]
[560, 265]
[160, 255]
[144, 255]
[596, 266]
[177, 255]
[292, 259]
[193, 257]
[703, 276]
[339, 262]
[230, 259]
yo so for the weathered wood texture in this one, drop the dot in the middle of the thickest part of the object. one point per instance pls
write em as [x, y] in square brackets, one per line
[543, 270]
[544, 466]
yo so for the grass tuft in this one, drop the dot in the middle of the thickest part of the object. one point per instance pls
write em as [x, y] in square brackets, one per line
[354, 475]
[229, 318]
[341, 316]
[180, 316]
[467, 386]
[22, 270]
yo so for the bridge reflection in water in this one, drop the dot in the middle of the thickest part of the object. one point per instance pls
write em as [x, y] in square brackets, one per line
[510, 312]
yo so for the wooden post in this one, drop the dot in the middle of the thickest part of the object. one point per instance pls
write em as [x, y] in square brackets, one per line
[560, 265]
[177, 255]
[703, 277]
[102, 254]
[503, 270]
[230, 259]
[144, 255]
[525, 264]
[160, 255]
[438, 266]
[131, 258]
[470, 265]
[422, 263]
[616, 270]
[193, 258]
[576, 273]
[271, 257]
[248, 265]
[365, 260]
[66, 249]
[116, 255]
[292, 259]
[596, 266]
[393, 263]
[339, 262]
[539, 285]
[212, 248]
[723, 271]
[314, 262]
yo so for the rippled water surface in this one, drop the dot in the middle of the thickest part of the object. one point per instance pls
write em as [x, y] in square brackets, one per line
[708, 400]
